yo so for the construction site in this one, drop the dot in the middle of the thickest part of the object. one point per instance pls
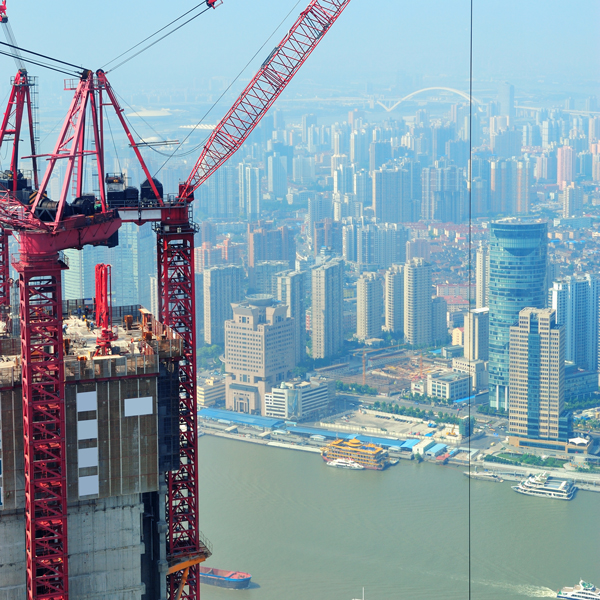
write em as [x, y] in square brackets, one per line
[98, 417]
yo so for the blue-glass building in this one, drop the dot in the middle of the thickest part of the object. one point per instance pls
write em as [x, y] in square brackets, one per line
[518, 255]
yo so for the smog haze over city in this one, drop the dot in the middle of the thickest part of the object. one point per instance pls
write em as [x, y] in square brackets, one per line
[340, 342]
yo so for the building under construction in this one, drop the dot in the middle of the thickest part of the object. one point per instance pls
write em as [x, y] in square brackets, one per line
[121, 440]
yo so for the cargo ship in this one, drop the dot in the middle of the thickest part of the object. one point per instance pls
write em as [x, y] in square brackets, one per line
[365, 454]
[234, 580]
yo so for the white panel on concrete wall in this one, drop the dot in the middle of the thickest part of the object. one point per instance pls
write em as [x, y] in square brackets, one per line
[87, 457]
[88, 486]
[87, 430]
[87, 401]
[136, 407]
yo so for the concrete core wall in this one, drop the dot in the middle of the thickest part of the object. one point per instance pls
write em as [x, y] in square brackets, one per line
[105, 544]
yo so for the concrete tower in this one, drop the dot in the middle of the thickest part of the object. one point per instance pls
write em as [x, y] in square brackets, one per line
[368, 307]
[394, 300]
[417, 302]
[291, 292]
[477, 334]
[222, 286]
[327, 309]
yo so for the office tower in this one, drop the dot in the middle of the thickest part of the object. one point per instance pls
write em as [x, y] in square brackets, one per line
[359, 148]
[263, 276]
[307, 122]
[277, 175]
[343, 179]
[363, 188]
[572, 200]
[391, 196]
[249, 184]
[439, 320]
[537, 377]
[444, 195]
[394, 300]
[418, 248]
[501, 187]
[327, 308]
[506, 98]
[507, 143]
[259, 352]
[303, 170]
[222, 286]
[319, 208]
[576, 301]
[291, 293]
[477, 334]
[417, 302]
[565, 166]
[439, 137]
[523, 184]
[391, 240]
[379, 154]
[368, 306]
[219, 197]
[270, 244]
[327, 234]
[517, 265]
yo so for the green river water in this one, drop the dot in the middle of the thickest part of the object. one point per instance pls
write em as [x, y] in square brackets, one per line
[309, 532]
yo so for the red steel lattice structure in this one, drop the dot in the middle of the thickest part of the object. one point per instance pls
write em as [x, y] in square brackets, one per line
[176, 251]
[44, 428]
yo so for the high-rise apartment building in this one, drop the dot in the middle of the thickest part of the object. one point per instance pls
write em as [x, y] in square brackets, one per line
[259, 352]
[327, 309]
[391, 195]
[477, 334]
[482, 277]
[291, 293]
[417, 302]
[277, 175]
[576, 300]
[444, 195]
[537, 377]
[394, 300]
[566, 166]
[368, 306]
[249, 183]
[222, 286]
[270, 244]
[518, 256]
[506, 97]
[572, 200]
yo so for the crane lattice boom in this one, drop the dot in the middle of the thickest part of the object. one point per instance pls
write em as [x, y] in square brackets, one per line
[272, 78]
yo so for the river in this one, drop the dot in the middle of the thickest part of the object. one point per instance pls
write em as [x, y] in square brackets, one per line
[308, 532]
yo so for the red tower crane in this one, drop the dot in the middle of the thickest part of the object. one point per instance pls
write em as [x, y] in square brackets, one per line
[104, 309]
[47, 227]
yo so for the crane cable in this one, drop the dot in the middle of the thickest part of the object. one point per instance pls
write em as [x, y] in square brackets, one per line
[220, 98]
[159, 39]
[40, 64]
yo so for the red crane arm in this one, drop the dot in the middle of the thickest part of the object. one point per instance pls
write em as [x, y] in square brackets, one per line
[266, 86]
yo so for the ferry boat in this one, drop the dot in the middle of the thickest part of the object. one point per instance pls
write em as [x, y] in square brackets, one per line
[484, 476]
[343, 463]
[365, 454]
[583, 591]
[547, 487]
[234, 580]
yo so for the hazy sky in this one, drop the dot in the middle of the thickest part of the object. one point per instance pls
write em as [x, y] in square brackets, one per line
[516, 40]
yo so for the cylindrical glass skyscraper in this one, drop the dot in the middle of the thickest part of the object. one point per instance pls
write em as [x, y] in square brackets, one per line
[518, 255]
